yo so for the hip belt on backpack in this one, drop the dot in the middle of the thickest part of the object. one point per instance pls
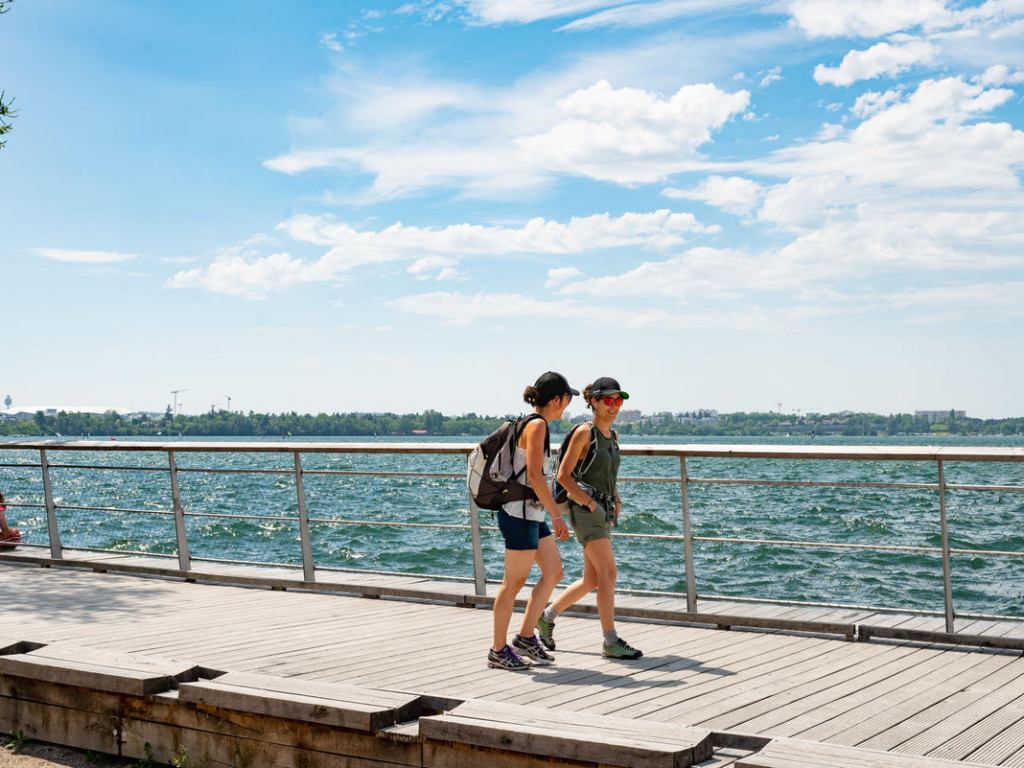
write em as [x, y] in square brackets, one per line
[605, 500]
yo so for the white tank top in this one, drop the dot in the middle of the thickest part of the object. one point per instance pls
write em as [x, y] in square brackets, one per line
[533, 509]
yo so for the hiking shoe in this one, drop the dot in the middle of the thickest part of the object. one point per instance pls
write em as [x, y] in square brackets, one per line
[546, 631]
[620, 649]
[506, 658]
[532, 648]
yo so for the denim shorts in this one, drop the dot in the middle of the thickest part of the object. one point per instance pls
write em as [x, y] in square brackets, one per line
[521, 534]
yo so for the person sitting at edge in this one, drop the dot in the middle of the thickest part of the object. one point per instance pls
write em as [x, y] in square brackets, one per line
[594, 506]
[8, 536]
[528, 539]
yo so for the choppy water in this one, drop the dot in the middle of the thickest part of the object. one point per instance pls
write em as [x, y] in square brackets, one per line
[977, 519]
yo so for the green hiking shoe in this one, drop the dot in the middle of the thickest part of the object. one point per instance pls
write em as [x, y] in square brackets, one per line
[546, 631]
[620, 649]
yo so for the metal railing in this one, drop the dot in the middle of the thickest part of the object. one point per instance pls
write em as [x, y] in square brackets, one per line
[938, 457]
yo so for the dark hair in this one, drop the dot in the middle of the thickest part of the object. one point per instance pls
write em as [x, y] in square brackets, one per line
[588, 392]
[2, 498]
[532, 396]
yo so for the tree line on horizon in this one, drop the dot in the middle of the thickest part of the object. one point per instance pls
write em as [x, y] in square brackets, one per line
[221, 423]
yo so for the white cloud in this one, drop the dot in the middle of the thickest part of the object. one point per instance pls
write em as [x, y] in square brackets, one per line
[770, 76]
[880, 59]
[351, 247]
[925, 141]
[1000, 74]
[734, 194]
[238, 276]
[437, 267]
[329, 40]
[431, 250]
[628, 135]
[561, 275]
[526, 11]
[867, 18]
[871, 103]
[642, 14]
[83, 257]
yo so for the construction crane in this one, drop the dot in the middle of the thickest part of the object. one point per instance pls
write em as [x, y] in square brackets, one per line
[175, 393]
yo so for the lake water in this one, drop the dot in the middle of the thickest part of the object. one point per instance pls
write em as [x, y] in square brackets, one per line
[904, 518]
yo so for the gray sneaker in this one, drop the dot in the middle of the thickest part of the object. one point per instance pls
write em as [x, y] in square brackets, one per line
[620, 649]
[546, 630]
[532, 648]
[506, 658]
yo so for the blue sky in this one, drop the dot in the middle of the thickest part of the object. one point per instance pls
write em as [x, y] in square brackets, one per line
[335, 206]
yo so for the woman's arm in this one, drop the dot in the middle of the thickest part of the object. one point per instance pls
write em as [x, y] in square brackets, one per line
[578, 446]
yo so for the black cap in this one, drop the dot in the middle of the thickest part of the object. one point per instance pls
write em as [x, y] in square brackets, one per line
[606, 385]
[550, 385]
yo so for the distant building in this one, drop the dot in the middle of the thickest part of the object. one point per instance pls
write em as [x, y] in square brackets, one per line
[628, 417]
[935, 417]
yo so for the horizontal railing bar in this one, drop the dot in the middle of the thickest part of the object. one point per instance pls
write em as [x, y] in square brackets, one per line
[819, 544]
[227, 516]
[811, 604]
[108, 466]
[384, 524]
[119, 552]
[814, 452]
[838, 545]
[233, 471]
[296, 567]
[408, 574]
[382, 474]
[808, 483]
[20, 466]
[115, 509]
[952, 487]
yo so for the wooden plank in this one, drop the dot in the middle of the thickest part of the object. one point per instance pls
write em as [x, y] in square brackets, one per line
[93, 671]
[344, 709]
[794, 753]
[806, 698]
[546, 733]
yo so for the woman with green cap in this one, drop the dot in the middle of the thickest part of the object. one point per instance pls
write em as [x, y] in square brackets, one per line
[589, 476]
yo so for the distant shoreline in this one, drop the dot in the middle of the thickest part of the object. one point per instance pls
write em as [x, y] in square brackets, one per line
[704, 423]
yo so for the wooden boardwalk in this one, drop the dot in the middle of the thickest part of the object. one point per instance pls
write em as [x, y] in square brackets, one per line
[911, 698]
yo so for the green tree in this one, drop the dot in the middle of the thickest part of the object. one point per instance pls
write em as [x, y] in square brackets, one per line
[6, 113]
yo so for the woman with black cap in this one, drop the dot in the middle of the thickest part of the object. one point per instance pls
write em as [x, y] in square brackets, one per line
[528, 539]
[594, 506]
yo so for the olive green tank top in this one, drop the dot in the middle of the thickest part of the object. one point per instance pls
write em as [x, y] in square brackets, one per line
[603, 471]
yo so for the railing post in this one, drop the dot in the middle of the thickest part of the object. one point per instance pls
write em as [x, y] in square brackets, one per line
[308, 570]
[56, 549]
[947, 572]
[691, 580]
[479, 575]
[180, 534]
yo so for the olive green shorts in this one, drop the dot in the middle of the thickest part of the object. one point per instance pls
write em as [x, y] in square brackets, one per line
[589, 526]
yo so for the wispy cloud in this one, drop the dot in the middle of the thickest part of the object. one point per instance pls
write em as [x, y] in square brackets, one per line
[432, 251]
[83, 257]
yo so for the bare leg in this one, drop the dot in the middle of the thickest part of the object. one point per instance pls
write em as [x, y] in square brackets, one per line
[575, 591]
[517, 568]
[603, 560]
[550, 562]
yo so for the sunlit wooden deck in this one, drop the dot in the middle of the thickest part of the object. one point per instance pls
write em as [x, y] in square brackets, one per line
[960, 703]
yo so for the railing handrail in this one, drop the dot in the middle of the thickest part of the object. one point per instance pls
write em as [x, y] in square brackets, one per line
[938, 455]
[694, 450]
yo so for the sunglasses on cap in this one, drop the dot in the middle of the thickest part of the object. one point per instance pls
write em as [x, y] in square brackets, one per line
[612, 400]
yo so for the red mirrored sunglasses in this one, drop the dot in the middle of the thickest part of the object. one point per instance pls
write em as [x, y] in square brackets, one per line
[612, 400]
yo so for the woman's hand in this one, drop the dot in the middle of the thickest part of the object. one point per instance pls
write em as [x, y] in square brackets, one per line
[618, 509]
[561, 528]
